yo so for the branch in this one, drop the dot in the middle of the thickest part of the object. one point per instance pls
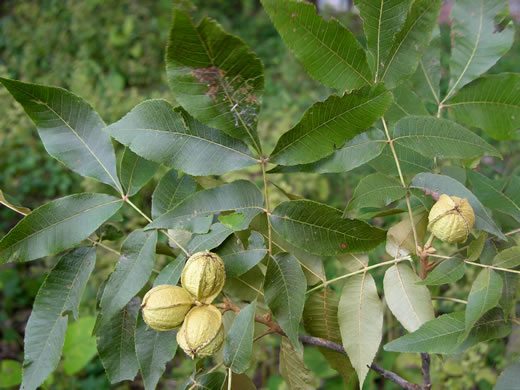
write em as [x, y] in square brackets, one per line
[319, 342]
[427, 380]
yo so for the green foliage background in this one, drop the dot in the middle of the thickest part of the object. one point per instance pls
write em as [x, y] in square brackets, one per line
[112, 54]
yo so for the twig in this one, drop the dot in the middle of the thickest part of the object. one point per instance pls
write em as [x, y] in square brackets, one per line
[492, 267]
[99, 243]
[427, 381]
[268, 208]
[394, 378]
[456, 300]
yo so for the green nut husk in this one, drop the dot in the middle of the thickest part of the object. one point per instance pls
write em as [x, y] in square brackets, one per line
[202, 332]
[165, 306]
[204, 276]
[451, 219]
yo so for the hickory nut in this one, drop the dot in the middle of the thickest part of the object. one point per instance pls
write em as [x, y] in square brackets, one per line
[204, 276]
[164, 307]
[202, 332]
[451, 219]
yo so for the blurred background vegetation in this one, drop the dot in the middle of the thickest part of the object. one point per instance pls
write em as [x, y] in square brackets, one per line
[111, 53]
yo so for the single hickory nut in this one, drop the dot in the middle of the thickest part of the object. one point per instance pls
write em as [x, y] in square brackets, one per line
[451, 219]
[202, 332]
[204, 276]
[165, 306]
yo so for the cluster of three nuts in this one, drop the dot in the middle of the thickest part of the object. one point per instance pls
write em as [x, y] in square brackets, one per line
[166, 307]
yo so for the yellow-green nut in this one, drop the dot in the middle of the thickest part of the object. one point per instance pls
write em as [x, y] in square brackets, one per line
[165, 306]
[202, 332]
[451, 219]
[204, 276]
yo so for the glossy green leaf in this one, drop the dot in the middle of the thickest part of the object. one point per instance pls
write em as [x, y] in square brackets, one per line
[439, 184]
[80, 345]
[215, 76]
[410, 303]
[233, 221]
[284, 292]
[409, 42]
[292, 368]
[376, 190]
[56, 226]
[449, 271]
[496, 195]
[170, 191]
[158, 132]
[135, 171]
[381, 20]
[8, 201]
[485, 293]
[508, 379]
[59, 295]
[329, 52]
[436, 137]
[241, 196]
[426, 80]
[239, 260]
[321, 229]
[320, 319]
[360, 315]
[491, 103]
[356, 152]
[131, 273]
[328, 124]
[239, 340]
[477, 45]
[153, 349]
[70, 129]
[476, 247]
[172, 272]
[116, 344]
[441, 334]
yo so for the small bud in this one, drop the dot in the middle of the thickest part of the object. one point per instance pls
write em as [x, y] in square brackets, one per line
[165, 306]
[451, 219]
[204, 276]
[202, 332]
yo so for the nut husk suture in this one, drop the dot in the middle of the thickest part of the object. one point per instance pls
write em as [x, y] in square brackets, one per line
[204, 276]
[451, 219]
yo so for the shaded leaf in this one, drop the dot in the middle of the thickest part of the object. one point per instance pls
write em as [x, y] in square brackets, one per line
[158, 132]
[116, 344]
[356, 152]
[508, 379]
[10, 202]
[238, 345]
[215, 77]
[284, 292]
[411, 162]
[406, 103]
[449, 271]
[321, 229]
[408, 44]
[153, 350]
[329, 52]
[172, 272]
[400, 240]
[508, 258]
[239, 260]
[292, 368]
[491, 103]
[135, 171]
[211, 381]
[477, 45]
[241, 195]
[376, 190]
[426, 80]
[433, 183]
[130, 275]
[360, 313]
[59, 294]
[170, 191]
[56, 226]
[436, 137]
[70, 129]
[410, 303]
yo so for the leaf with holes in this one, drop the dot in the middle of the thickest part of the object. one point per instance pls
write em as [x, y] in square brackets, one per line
[321, 229]
[329, 52]
[410, 303]
[327, 125]
[284, 290]
[360, 313]
[70, 129]
[158, 132]
[56, 226]
[215, 77]
[59, 295]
